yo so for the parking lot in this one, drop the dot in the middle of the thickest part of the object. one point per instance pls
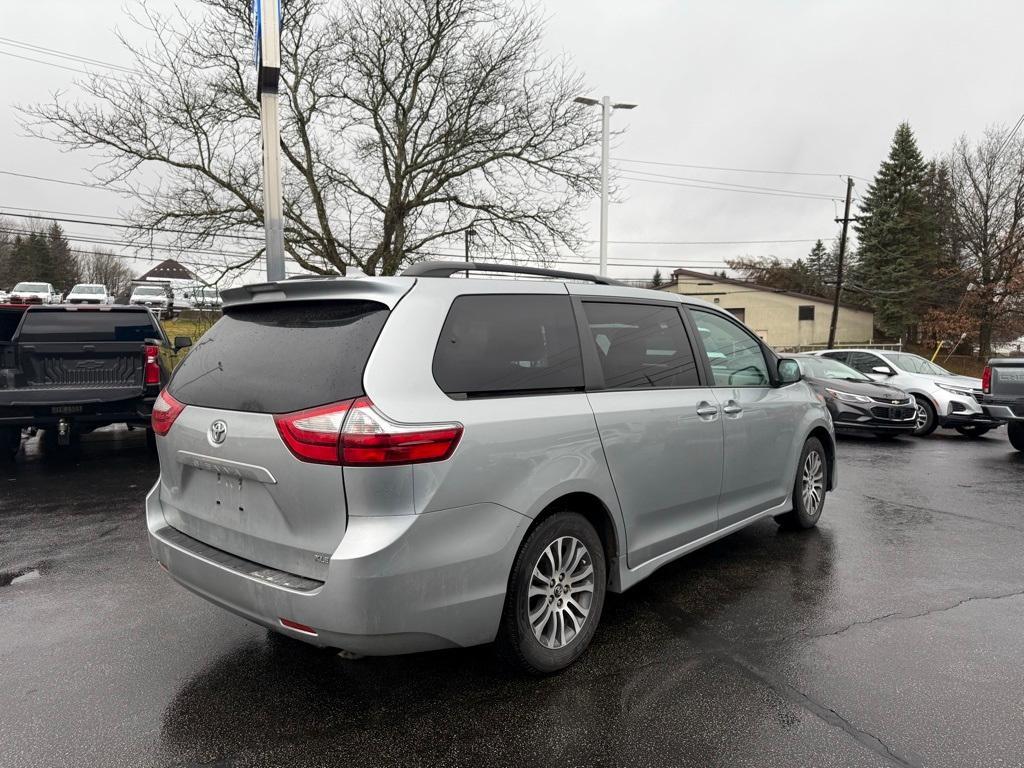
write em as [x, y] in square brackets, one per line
[890, 635]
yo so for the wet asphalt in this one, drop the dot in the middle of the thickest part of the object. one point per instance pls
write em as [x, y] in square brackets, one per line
[892, 635]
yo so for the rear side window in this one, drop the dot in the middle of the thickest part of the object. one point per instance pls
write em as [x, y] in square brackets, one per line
[281, 358]
[73, 326]
[494, 345]
[641, 345]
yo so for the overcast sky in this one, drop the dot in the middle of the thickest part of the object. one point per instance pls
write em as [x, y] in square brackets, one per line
[810, 86]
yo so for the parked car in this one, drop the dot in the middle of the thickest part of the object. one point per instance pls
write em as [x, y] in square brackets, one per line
[89, 293]
[4, 296]
[857, 402]
[943, 399]
[397, 464]
[206, 298]
[71, 369]
[34, 293]
[1002, 386]
[157, 297]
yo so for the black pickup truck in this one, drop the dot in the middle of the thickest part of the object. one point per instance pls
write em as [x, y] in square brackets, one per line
[1002, 386]
[71, 369]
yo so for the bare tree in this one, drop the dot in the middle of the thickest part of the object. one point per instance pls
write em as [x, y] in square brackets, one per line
[404, 124]
[987, 183]
[106, 268]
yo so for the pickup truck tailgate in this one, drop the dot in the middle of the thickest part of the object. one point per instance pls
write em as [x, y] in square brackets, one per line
[62, 364]
[1007, 379]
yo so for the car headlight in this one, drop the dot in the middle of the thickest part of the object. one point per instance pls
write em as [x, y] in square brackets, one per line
[962, 391]
[848, 397]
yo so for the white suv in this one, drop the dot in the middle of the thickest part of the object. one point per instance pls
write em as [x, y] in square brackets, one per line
[944, 399]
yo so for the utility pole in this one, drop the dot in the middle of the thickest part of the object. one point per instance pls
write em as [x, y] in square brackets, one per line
[839, 265]
[606, 113]
[266, 28]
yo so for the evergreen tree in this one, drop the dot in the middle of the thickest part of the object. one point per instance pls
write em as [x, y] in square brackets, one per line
[30, 259]
[656, 281]
[897, 234]
[64, 269]
[821, 265]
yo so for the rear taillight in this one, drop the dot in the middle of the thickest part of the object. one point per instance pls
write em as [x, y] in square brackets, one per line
[152, 364]
[371, 439]
[314, 434]
[165, 410]
[356, 434]
[986, 380]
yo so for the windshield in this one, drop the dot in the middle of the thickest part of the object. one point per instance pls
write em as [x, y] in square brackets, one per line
[34, 287]
[826, 368]
[149, 291]
[915, 364]
[88, 289]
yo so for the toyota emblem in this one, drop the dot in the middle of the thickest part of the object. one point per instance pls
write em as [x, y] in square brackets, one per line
[218, 432]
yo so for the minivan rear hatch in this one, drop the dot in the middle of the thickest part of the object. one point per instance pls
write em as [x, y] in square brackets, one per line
[227, 477]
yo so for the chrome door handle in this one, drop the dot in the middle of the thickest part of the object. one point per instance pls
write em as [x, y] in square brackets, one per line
[732, 408]
[706, 410]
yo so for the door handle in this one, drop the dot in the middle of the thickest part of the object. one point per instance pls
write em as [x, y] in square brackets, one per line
[732, 408]
[706, 411]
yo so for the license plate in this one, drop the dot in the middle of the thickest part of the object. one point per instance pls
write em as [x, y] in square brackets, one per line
[66, 409]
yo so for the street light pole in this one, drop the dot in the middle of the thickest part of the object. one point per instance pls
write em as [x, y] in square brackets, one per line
[268, 64]
[606, 113]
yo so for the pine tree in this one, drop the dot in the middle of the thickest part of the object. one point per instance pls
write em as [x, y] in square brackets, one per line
[821, 267]
[656, 281]
[64, 268]
[897, 234]
[30, 260]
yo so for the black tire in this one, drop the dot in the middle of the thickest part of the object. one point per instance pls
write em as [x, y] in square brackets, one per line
[928, 420]
[973, 430]
[1015, 431]
[10, 443]
[803, 515]
[517, 640]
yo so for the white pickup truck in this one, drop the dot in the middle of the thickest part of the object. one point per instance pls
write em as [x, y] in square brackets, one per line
[1002, 386]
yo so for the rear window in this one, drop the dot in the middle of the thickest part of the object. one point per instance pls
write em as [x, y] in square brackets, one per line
[281, 358]
[497, 345]
[63, 325]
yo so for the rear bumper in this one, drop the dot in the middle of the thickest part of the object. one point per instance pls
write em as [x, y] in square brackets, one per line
[395, 584]
[1005, 412]
[22, 413]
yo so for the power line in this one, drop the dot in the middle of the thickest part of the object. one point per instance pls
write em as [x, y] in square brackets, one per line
[731, 189]
[130, 226]
[729, 184]
[709, 242]
[66, 55]
[1010, 136]
[720, 168]
[62, 181]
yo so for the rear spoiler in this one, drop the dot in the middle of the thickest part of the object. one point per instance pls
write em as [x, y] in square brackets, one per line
[385, 290]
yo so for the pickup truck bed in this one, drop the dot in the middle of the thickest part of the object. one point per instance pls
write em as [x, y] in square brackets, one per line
[1003, 398]
[76, 368]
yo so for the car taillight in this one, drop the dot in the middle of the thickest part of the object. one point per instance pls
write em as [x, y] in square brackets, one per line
[314, 435]
[371, 439]
[354, 433]
[165, 410]
[152, 364]
[986, 380]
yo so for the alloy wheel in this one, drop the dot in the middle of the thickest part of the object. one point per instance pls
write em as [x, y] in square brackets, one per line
[812, 483]
[561, 592]
[921, 420]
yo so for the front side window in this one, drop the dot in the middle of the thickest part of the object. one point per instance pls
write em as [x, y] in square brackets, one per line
[641, 345]
[865, 362]
[493, 345]
[736, 357]
[915, 364]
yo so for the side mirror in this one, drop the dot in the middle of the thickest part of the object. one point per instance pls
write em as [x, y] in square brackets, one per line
[789, 371]
[181, 342]
[882, 369]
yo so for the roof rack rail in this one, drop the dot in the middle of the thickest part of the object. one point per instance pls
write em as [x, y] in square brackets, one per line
[449, 268]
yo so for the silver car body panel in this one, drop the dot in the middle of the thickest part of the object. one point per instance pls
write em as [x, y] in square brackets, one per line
[418, 556]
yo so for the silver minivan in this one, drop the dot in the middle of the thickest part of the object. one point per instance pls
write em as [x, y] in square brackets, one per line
[388, 465]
